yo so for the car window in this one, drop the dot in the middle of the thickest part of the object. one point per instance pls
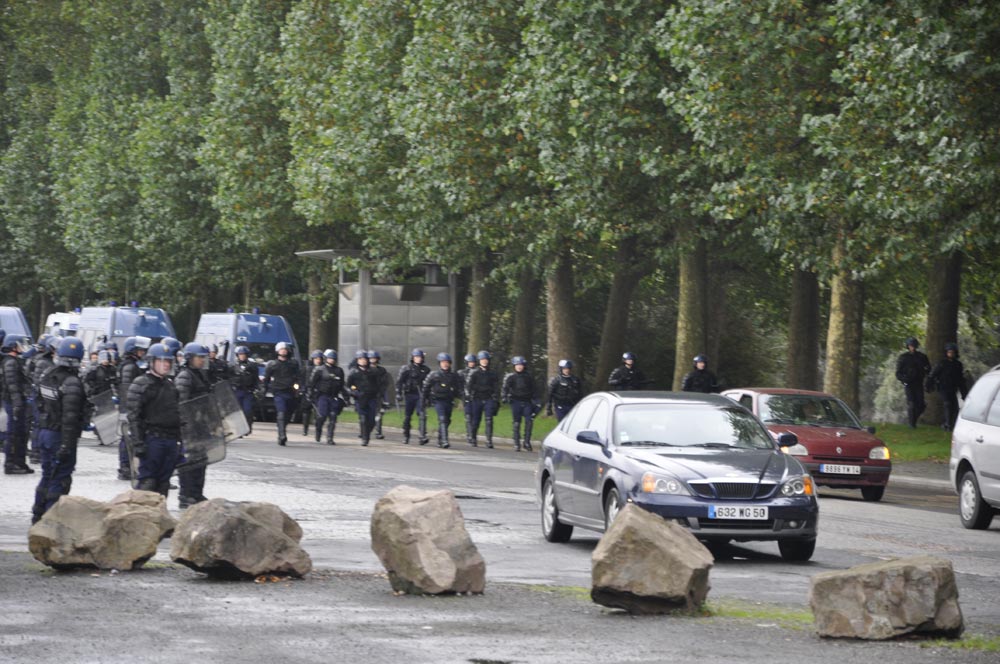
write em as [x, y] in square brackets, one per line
[806, 410]
[746, 401]
[688, 425]
[980, 398]
[580, 417]
[599, 421]
[993, 417]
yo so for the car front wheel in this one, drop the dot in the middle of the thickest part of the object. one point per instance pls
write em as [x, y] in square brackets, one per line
[798, 551]
[612, 506]
[872, 494]
[553, 529]
[972, 509]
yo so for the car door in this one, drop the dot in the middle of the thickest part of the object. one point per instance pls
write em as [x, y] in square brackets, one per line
[564, 453]
[589, 464]
[987, 445]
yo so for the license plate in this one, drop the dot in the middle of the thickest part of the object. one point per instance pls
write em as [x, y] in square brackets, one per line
[836, 469]
[737, 512]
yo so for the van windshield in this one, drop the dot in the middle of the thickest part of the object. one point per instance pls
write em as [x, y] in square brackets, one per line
[262, 353]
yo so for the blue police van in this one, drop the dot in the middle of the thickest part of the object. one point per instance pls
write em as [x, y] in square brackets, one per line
[12, 321]
[117, 324]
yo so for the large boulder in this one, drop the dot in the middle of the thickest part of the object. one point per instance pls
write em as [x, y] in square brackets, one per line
[420, 538]
[231, 540]
[887, 599]
[646, 565]
[121, 534]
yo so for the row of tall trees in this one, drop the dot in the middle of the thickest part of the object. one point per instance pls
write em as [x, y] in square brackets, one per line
[781, 184]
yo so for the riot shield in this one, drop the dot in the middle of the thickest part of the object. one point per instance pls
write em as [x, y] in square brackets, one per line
[3, 422]
[133, 460]
[202, 435]
[234, 421]
[106, 418]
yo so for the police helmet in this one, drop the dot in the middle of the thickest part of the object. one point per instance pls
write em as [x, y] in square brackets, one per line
[161, 351]
[282, 345]
[330, 354]
[565, 364]
[912, 341]
[483, 355]
[628, 356]
[112, 346]
[360, 355]
[173, 344]
[195, 349]
[374, 355]
[443, 357]
[951, 345]
[103, 356]
[52, 343]
[44, 342]
[518, 359]
[417, 352]
[470, 358]
[243, 350]
[30, 353]
[315, 354]
[15, 342]
[69, 352]
[700, 358]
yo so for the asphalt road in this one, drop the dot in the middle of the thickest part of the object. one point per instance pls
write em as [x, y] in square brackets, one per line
[331, 491]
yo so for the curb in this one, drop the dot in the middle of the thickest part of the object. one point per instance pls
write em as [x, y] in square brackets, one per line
[917, 481]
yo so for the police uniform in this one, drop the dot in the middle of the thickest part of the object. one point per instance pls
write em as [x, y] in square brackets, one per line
[948, 378]
[363, 384]
[564, 393]
[912, 369]
[245, 380]
[326, 387]
[409, 384]
[191, 383]
[130, 369]
[519, 391]
[14, 396]
[155, 430]
[482, 387]
[442, 387]
[280, 377]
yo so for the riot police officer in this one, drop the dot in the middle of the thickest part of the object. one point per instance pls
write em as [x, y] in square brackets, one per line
[62, 414]
[281, 377]
[176, 347]
[628, 376]
[217, 368]
[102, 377]
[14, 396]
[192, 381]
[40, 362]
[565, 390]
[948, 377]
[327, 391]
[470, 366]
[246, 380]
[132, 366]
[154, 421]
[385, 384]
[308, 400]
[912, 369]
[441, 388]
[519, 391]
[363, 385]
[409, 384]
[482, 389]
[700, 379]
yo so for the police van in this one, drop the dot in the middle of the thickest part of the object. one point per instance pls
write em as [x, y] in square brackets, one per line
[63, 324]
[117, 324]
[12, 321]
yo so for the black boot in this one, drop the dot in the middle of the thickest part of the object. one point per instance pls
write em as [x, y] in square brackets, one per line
[444, 436]
[280, 420]
[489, 433]
[406, 436]
[517, 436]
[378, 427]
[319, 429]
[528, 425]
[329, 432]
[365, 433]
[422, 421]
[125, 473]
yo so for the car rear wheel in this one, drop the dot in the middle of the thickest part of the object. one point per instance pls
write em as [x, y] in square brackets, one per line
[872, 493]
[553, 529]
[972, 509]
[798, 551]
[612, 506]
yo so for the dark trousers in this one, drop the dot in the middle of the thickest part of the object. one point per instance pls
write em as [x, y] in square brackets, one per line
[158, 465]
[950, 402]
[521, 409]
[57, 476]
[366, 408]
[414, 403]
[915, 403]
[16, 444]
[443, 408]
[245, 399]
[284, 402]
[481, 407]
[562, 410]
[192, 483]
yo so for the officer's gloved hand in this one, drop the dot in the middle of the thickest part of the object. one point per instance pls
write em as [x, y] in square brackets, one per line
[139, 449]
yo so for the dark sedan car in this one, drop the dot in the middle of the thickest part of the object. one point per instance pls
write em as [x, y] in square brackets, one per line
[700, 460]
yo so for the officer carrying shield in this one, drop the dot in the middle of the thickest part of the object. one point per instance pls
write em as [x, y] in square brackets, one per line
[519, 391]
[328, 393]
[246, 380]
[154, 421]
[482, 388]
[470, 366]
[35, 368]
[281, 377]
[62, 414]
[565, 390]
[409, 384]
[441, 388]
[14, 396]
[132, 366]
[192, 381]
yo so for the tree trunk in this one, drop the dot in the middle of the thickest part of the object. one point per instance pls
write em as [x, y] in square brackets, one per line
[842, 377]
[616, 313]
[247, 291]
[480, 311]
[43, 312]
[561, 320]
[692, 310]
[317, 328]
[802, 369]
[944, 289]
[524, 314]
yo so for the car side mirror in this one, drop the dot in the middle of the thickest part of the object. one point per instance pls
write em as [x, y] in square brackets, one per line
[589, 437]
[870, 430]
[787, 439]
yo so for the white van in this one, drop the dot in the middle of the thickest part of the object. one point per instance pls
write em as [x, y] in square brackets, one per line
[62, 323]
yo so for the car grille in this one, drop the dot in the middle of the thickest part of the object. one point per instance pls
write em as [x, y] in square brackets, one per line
[733, 490]
[839, 459]
[735, 524]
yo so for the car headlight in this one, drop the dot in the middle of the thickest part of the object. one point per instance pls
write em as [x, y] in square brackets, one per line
[881, 452]
[798, 486]
[659, 484]
[796, 450]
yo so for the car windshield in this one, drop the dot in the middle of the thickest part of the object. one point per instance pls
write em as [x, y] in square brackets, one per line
[688, 425]
[806, 410]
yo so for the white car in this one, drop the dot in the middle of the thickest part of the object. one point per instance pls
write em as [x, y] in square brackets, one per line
[975, 453]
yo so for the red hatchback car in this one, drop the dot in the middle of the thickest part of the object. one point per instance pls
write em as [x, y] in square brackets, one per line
[833, 445]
